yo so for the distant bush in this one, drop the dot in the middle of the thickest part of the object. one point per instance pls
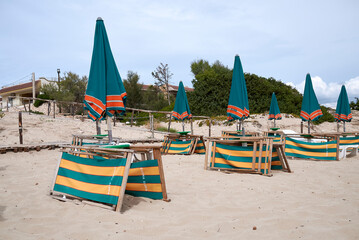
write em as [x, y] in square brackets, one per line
[37, 102]
[327, 117]
[164, 129]
[37, 112]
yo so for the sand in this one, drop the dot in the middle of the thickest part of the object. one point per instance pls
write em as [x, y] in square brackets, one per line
[319, 199]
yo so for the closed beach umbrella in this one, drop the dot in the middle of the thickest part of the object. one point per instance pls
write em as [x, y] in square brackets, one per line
[238, 108]
[181, 110]
[343, 112]
[105, 93]
[310, 107]
[274, 112]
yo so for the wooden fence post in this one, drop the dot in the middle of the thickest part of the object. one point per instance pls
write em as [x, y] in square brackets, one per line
[152, 126]
[132, 117]
[169, 123]
[54, 102]
[301, 127]
[20, 127]
[210, 123]
[192, 126]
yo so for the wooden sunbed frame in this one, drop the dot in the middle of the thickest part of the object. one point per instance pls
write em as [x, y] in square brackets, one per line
[257, 141]
[146, 153]
[172, 137]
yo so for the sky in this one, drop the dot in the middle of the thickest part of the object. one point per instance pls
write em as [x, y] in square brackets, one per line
[280, 39]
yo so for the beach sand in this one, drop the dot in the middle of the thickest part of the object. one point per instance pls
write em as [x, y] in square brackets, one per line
[320, 199]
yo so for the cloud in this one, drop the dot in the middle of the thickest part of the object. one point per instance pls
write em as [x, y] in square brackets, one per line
[328, 93]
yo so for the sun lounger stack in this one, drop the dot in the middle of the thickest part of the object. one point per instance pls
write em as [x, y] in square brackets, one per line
[246, 154]
[104, 175]
[183, 144]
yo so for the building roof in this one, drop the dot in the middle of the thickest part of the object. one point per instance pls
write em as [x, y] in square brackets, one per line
[18, 87]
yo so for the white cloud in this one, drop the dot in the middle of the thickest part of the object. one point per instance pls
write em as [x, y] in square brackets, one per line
[328, 93]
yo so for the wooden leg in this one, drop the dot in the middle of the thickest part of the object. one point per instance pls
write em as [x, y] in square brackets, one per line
[157, 155]
[124, 182]
[214, 154]
[194, 145]
[285, 158]
[260, 156]
[208, 152]
[254, 156]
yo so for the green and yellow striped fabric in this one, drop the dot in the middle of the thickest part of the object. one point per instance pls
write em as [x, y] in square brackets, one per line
[144, 180]
[200, 149]
[181, 147]
[99, 179]
[96, 179]
[239, 157]
[349, 140]
[318, 151]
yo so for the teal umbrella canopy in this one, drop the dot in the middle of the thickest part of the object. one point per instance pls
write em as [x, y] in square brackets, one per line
[105, 93]
[274, 112]
[343, 112]
[310, 107]
[238, 107]
[181, 110]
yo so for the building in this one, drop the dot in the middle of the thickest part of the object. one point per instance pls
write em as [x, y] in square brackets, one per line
[173, 89]
[18, 95]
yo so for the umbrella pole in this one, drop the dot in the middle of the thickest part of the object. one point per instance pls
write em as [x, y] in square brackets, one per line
[343, 126]
[109, 128]
[308, 126]
[183, 125]
[274, 123]
[242, 127]
[98, 127]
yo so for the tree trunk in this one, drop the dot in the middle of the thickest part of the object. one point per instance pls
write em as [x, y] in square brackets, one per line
[168, 93]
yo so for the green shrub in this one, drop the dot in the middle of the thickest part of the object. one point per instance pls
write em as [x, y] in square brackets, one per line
[165, 129]
[38, 103]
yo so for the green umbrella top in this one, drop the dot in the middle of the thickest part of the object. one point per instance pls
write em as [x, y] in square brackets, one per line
[238, 107]
[181, 110]
[105, 93]
[343, 112]
[310, 107]
[274, 112]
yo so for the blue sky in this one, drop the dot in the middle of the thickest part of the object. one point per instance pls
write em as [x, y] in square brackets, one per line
[280, 39]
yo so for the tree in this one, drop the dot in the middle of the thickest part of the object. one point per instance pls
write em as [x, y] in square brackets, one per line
[162, 74]
[154, 98]
[72, 87]
[355, 105]
[133, 89]
[212, 84]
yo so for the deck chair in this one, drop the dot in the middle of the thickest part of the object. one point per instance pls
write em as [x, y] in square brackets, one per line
[183, 144]
[104, 175]
[248, 154]
[316, 149]
[349, 144]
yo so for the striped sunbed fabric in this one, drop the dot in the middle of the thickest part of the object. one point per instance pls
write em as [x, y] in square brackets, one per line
[200, 149]
[349, 140]
[310, 150]
[144, 180]
[239, 157]
[96, 179]
[99, 179]
[181, 147]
